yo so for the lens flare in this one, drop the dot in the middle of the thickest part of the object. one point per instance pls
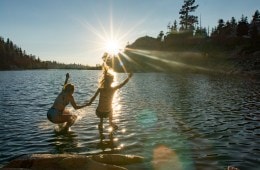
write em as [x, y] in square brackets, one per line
[110, 35]
[112, 47]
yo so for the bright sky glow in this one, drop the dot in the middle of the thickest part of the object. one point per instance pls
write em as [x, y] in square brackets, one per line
[80, 31]
[112, 47]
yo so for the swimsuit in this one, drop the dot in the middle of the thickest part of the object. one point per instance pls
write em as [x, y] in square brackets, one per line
[53, 113]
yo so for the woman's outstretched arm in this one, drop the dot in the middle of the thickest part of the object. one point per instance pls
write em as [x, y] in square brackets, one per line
[67, 78]
[125, 81]
[74, 105]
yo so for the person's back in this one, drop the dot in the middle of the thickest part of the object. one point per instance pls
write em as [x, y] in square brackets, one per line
[106, 99]
[61, 101]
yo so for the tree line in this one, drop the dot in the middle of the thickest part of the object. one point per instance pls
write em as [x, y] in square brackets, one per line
[230, 28]
[189, 32]
[14, 58]
[234, 42]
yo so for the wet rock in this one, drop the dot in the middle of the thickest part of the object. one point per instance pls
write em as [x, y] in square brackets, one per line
[70, 161]
[117, 159]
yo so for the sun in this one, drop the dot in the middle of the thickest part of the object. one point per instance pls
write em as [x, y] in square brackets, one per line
[112, 47]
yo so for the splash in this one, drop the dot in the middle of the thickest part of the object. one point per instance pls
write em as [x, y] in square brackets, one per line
[60, 127]
[81, 113]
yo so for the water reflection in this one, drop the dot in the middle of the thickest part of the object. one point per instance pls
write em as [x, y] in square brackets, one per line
[107, 143]
[64, 141]
[165, 158]
[205, 122]
[108, 139]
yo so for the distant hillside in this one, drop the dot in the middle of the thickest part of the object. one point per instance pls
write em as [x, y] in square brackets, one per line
[191, 54]
[232, 47]
[13, 57]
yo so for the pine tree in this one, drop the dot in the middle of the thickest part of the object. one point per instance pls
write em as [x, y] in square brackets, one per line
[160, 36]
[255, 23]
[187, 21]
[242, 27]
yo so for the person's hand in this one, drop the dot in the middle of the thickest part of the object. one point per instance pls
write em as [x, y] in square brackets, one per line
[67, 76]
[130, 75]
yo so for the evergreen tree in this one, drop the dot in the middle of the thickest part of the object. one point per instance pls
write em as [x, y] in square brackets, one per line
[169, 27]
[175, 27]
[256, 17]
[242, 27]
[172, 28]
[255, 23]
[187, 21]
[233, 25]
[160, 36]
[220, 26]
[201, 32]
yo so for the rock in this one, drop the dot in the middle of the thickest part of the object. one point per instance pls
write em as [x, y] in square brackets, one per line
[117, 159]
[70, 161]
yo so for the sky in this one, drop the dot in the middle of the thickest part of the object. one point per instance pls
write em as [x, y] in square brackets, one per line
[78, 31]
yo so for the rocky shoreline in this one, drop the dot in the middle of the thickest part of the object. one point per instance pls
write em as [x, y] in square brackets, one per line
[74, 161]
[247, 63]
[93, 162]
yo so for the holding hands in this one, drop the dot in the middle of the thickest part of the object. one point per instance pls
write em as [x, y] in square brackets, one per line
[130, 75]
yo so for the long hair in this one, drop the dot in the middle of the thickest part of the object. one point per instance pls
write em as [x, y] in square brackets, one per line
[106, 78]
[68, 88]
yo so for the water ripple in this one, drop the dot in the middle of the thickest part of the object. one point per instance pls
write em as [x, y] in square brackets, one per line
[209, 121]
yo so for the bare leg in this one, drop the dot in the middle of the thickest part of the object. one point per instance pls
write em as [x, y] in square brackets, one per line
[113, 125]
[71, 121]
[67, 118]
[100, 128]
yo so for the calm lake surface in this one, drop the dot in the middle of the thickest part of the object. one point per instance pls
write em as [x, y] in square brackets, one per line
[193, 121]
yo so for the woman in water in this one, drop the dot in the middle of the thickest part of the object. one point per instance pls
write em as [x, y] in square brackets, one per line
[57, 113]
[106, 92]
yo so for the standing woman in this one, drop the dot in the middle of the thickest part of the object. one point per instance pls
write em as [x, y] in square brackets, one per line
[57, 113]
[106, 92]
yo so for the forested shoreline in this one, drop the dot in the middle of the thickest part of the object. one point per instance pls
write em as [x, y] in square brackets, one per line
[233, 46]
[232, 42]
[14, 58]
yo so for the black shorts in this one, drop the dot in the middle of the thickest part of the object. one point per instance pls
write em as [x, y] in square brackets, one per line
[103, 114]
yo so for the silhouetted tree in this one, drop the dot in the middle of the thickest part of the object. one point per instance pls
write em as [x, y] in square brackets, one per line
[242, 27]
[169, 28]
[201, 32]
[253, 31]
[217, 32]
[160, 36]
[220, 26]
[233, 26]
[175, 27]
[172, 28]
[187, 21]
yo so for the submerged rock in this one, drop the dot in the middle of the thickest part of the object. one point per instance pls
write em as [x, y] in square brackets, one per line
[70, 161]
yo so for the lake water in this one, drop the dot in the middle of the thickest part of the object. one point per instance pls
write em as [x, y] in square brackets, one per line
[192, 121]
